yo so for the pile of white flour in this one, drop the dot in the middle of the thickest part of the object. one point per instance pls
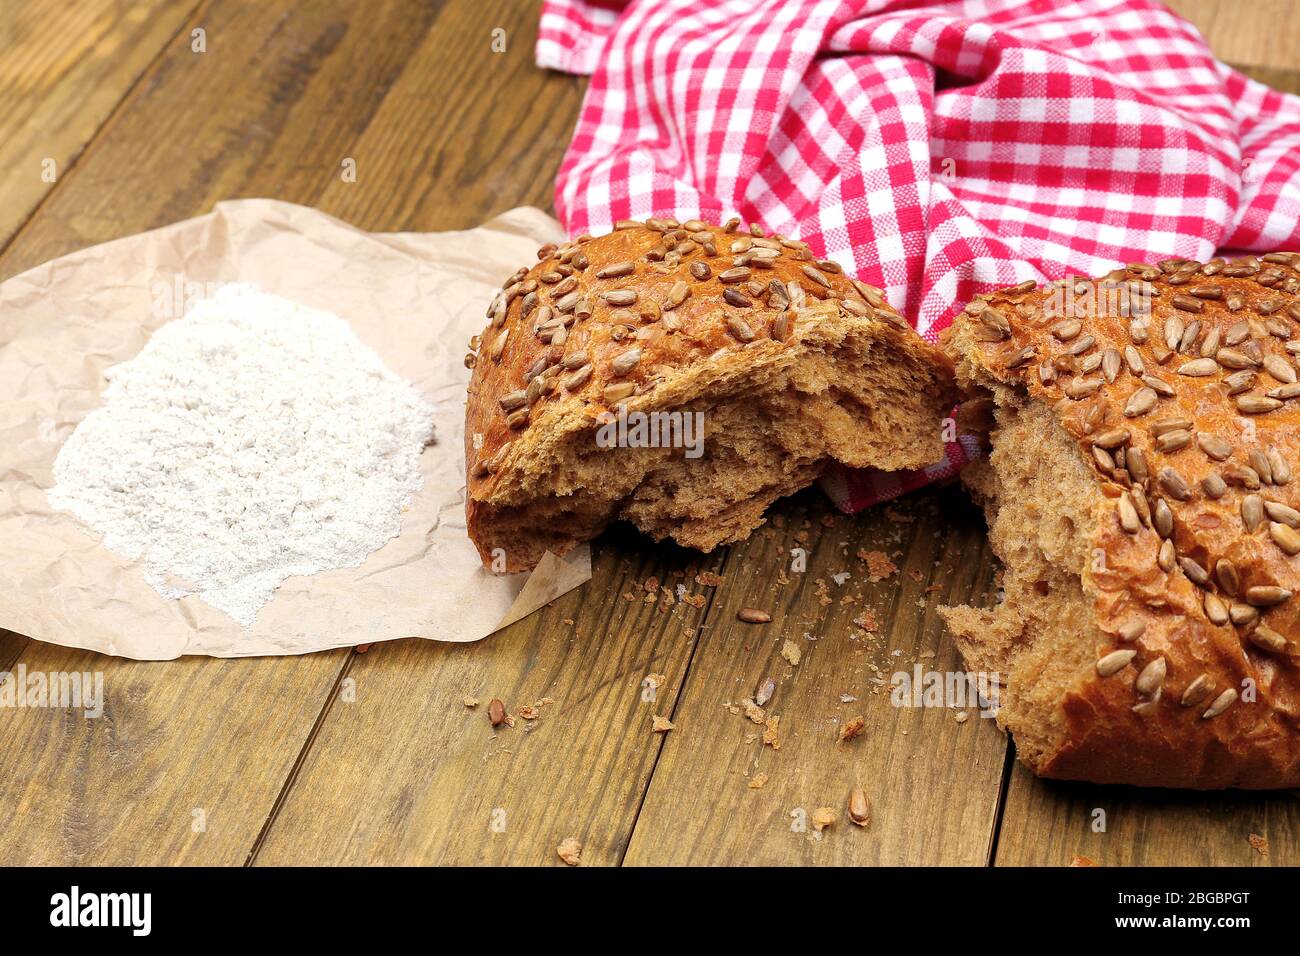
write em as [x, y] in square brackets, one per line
[250, 441]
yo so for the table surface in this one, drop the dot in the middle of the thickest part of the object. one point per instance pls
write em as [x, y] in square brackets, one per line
[348, 757]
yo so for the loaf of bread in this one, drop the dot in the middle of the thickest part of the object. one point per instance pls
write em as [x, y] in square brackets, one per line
[1140, 493]
[737, 363]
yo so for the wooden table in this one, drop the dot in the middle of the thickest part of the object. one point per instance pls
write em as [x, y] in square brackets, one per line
[148, 112]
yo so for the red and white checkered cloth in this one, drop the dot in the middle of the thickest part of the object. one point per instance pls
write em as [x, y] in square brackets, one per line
[934, 149]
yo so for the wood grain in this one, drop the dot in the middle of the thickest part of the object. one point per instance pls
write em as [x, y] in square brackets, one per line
[1261, 33]
[701, 808]
[285, 91]
[63, 69]
[1049, 823]
[407, 774]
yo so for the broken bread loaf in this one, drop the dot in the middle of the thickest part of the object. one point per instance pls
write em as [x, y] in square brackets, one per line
[682, 377]
[1140, 494]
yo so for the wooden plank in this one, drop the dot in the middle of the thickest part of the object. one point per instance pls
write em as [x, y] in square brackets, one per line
[933, 782]
[284, 93]
[1049, 823]
[1263, 33]
[407, 774]
[63, 69]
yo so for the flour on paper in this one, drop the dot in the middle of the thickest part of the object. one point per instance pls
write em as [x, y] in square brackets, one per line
[252, 440]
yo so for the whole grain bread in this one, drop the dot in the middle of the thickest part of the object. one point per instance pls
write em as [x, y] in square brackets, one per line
[1140, 494]
[790, 364]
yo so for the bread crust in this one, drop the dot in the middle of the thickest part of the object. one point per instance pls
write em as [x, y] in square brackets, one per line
[1176, 381]
[708, 310]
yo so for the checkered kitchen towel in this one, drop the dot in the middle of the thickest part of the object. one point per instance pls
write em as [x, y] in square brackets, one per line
[934, 149]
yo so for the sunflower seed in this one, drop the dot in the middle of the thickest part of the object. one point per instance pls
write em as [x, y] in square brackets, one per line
[1111, 363]
[1280, 369]
[1232, 358]
[859, 807]
[1280, 466]
[512, 400]
[1211, 344]
[739, 328]
[1259, 464]
[577, 379]
[1130, 631]
[1105, 463]
[1024, 357]
[1128, 516]
[1214, 446]
[1140, 402]
[615, 269]
[620, 297]
[1252, 512]
[625, 362]
[1065, 331]
[1242, 615]
[1285, 537]
[676, 295]
[1195, 573]
[1221, 703]
[1199, 368]
[1151, 677]
[781, 326]
[736, 298]
[1114, 662]
[517, 420]
[499, 346]
[1214, 486]
[752, 615]
[1166, 425]
[1215, 610]
[1257, 404]
[1267, 639]
[1266, 595]
[700, 270]
[1284, 393]
[854, 307]
[1080, 387]
[617, 392]
[734, 275]
[1197, 691]
[1136, 462]
[1165, 556]
[1171, 442]
[1159, 386]
[1162, 518]
[1174, 484]
[1239, 382]
[816, 275]
[1081, 346]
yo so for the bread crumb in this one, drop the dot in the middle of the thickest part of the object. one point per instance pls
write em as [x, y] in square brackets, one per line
[879, 566]
[661, 725]
[961, 716]
[527, 712]
[790, 651]
[753, 711]
[822, 817]
[570, 851]
[770, 736]
[853, 727]
[470, 702]
[1082, 861]
[1260, 844]
[709, 579]
[654, 680]
[758, 781]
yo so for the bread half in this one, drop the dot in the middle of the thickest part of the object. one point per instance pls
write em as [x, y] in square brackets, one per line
[1140, 494]
[683, 376]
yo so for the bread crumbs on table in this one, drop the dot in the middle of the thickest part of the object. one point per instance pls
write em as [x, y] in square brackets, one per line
[822, 817]
[879, 566]
[708, 579]
[527, 712]
[753, 711]
[654, 680]
[758, 781]
[470, 702]
[915, 575]
[790, 651]
[570, 851]
[961, 716]
[661, 725]
[853, 727]
[867, 620]
[1260, 844]
[1082, 861]
[770, 734]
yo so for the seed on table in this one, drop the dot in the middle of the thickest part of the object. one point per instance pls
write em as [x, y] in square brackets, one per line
[765, 692]
[496, 712]
[752, 615]
[859, 807]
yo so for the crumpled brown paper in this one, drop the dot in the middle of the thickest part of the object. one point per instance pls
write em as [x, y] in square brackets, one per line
[413, 298]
